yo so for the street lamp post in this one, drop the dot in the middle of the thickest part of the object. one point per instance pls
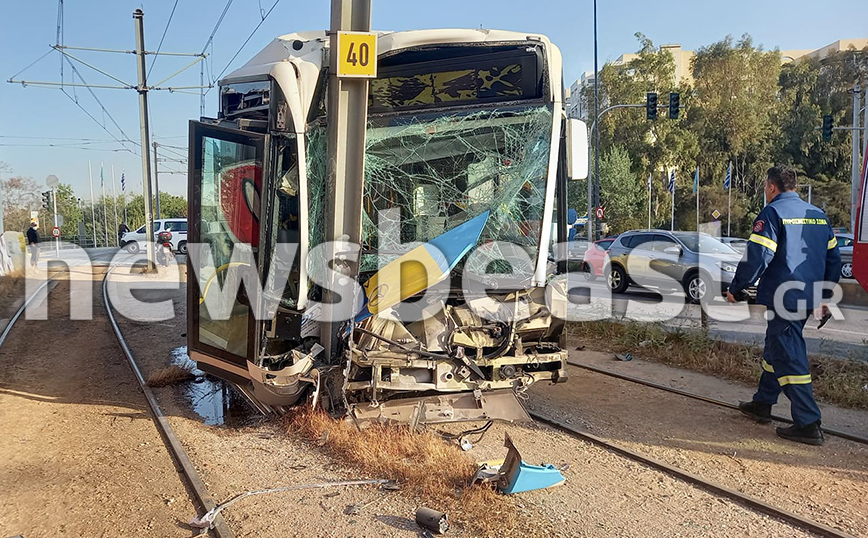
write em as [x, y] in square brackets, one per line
[594, 190]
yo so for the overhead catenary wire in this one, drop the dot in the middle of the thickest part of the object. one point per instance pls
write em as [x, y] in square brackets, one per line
[263, 18]
[102, 107]
[165, 30]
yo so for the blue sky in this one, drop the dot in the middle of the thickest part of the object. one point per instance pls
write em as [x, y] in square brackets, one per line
[27, 28]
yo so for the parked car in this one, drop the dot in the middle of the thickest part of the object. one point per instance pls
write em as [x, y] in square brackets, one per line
[594, 261]
[675, 256]
[845, 246]
[735, 243]
[133, 241]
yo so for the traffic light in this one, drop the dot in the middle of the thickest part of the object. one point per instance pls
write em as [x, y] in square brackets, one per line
[46, 200]
[674, 102]
[651, 105]
[827, 127]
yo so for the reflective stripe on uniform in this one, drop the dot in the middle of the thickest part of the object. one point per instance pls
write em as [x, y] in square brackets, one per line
[794, 380]
[768, 367]
[764, 241]
[832, 243]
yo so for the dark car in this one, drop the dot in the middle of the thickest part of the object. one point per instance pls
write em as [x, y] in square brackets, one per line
[670, 260]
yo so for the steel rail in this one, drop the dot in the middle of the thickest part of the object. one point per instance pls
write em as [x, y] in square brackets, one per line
[831, 431]
[221, 530]
[712, 487]
[22, 308]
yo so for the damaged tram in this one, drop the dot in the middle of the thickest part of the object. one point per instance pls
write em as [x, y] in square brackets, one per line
[467, 158]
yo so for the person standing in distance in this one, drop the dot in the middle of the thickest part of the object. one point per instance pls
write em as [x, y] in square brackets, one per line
[792, 245]
[33, 244]
[122, 229]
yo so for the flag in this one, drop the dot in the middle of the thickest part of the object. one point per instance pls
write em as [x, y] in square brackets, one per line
[696, 180]
[123, 182]
[672, 181]
[101, 178]
[728, 180]
[649, 182]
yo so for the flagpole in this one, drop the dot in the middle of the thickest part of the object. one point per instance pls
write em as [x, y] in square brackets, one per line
[124, 194]
[104, 216]
[729, 210]
[649, 201]
[672, 190]
[672, 221]
[696, 183]
[92, 202]
[115, 205]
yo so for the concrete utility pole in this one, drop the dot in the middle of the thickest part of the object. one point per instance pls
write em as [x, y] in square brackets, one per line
[855, 170]
[156, 184]
[2, 228]
[347, 120]
[142, 88]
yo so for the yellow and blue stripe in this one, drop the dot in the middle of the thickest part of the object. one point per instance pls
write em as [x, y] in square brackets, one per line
[419, 269]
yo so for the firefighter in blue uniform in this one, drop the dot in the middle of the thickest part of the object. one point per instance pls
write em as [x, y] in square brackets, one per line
[794, 250]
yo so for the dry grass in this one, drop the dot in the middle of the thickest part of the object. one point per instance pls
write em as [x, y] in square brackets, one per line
[837, 381]
[11, 289]
[170, 375]
[425, 465]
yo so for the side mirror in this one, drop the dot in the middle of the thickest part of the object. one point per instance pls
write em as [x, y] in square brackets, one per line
[672, 250]
[577, 149]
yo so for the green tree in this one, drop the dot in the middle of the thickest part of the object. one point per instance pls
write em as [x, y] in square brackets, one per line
[651, 146]
[808, 90]
[735, 100]
[622, 194]
[69, 207]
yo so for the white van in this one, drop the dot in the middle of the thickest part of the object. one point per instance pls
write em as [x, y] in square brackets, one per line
[133, 241]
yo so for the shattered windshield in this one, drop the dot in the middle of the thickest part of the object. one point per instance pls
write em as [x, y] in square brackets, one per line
[435, 172]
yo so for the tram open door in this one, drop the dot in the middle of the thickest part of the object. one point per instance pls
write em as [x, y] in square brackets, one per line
[225, 185]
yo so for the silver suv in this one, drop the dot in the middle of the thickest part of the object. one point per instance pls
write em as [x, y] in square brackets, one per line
[671, 260]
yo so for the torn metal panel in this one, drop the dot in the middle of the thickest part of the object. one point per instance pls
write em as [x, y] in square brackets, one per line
[465, 407]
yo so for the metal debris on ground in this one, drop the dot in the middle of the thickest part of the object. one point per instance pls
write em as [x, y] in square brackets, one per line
[432, 520]
[624, 357]
[206, 521]
[513, 475]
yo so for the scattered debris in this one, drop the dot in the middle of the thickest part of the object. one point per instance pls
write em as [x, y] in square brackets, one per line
[516, 476]
[170, 375]
[465, 444]
[580, 348]
[356, 509]
[206, 521]
[432, 520]
[624, 357]
[644, 343]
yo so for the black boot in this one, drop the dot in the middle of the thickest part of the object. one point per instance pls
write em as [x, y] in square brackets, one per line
[760, 412]
[810, 434]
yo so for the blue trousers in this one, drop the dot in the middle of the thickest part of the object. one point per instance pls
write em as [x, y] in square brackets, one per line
[785, 368]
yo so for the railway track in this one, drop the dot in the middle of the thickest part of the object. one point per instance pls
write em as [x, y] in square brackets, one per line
[748, 501]
[173, 445]
[221, 530]
[687, 394]
[717, 489]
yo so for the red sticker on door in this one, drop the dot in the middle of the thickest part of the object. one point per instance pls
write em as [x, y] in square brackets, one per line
[758, 226]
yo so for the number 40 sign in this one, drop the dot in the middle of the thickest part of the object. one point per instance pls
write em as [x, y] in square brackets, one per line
[357, 54]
